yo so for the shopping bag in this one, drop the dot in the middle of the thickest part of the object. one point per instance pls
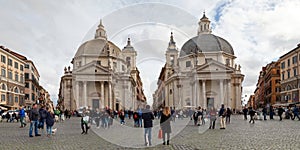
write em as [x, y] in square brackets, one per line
[160, 134]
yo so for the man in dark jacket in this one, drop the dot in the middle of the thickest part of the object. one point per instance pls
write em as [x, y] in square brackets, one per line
[33, 118]
[252, 114]
[245, 111]
[148, 118]
[280, 112]
[264, 111]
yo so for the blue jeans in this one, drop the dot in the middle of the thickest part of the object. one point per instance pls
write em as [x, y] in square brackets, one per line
[35, 124]
[140, 122]
[147, 131]
[49, 130]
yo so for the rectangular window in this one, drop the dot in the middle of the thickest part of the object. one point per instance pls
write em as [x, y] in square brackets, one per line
[9, 62]
[288, 74]
[16, 65]
[9, 74]
[3, 97]
[27, 85]
[188, 64]
[295, 59]
[282, 76]
[26, 75]
[27, 66]
[3, 59]
[32, 97]
[123, 68]
[3, 72]
[282, 65]
[295, 72]
[21, 78]
[227, 62]
[21, 67]
[32, 87]
[16, 99]
[27, 96]
[288, 62]
[16, 77]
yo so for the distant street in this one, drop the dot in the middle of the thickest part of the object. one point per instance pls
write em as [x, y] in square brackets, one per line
[239, 134]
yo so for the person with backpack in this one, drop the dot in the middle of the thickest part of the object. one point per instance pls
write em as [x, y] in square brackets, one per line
[222, 114]
[228, 114]
[148, 118]
[49, 122]
[43, 116]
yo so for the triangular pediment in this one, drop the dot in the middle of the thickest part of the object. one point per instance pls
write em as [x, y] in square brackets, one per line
[214, 66]
[91, 68]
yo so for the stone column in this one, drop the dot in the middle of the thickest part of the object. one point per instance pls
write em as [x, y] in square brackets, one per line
[77, 94]
[197, 92]
[229, 93]
[221, 92]
[192, 94]
[204, 94]
[85, 93]
[102, 95]
[109, 95]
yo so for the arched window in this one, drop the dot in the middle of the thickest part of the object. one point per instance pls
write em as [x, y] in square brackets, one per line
[16, 90]
[3, 87]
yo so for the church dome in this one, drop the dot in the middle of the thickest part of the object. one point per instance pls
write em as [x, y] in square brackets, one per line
[206, 43]
[92, 47]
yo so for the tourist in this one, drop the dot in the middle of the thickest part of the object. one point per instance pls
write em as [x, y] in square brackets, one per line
[222, 114]
[280, 112]
[136, 119]
[264, 111]
[195, 117]
[104, 119]
[228, 114]
[7, 116]
[84, 121]
[97, 116]
[122, 117]
[180, 114]
[213, 118]
[22, 117]
[34, 116]
[43, 116]
[49, 122]
[200, 115]
[165, 124]
[140, 113]
[296, 113]
[252, 114]
[13, 117]
[245, 111]
[271, 112]
[148, 118]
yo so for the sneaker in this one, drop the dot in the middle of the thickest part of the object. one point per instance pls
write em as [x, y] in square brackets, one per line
[146, 144]
[82, 132]
[30, 136]
[38, 135]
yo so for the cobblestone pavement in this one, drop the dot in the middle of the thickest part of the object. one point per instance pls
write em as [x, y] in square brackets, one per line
[239, 134]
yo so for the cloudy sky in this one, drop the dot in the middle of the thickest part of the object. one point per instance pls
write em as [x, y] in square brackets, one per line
[49, 32]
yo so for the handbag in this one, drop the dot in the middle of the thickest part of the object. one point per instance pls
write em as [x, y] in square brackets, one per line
[160, 134]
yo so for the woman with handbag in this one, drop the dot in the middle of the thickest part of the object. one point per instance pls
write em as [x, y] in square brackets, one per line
[165, 124]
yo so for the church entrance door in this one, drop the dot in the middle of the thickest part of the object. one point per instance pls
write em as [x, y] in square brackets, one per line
[210, 102]
[95, 104]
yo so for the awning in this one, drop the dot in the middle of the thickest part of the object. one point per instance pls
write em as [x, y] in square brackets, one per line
[3, 108]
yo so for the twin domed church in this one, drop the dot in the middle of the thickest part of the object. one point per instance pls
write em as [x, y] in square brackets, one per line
[202, 73]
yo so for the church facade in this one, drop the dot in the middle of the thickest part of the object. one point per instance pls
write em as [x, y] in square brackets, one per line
[103, 75]
[203, 73]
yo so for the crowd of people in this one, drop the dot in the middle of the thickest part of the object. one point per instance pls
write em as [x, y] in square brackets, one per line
[290, 112]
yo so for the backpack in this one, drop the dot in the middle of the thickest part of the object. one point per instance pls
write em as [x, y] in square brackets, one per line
[44, 114]
[135, 116]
